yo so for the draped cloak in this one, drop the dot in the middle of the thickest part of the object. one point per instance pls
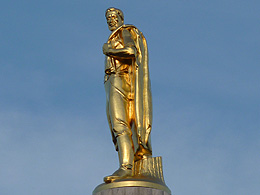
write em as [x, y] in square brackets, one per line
[142, 88]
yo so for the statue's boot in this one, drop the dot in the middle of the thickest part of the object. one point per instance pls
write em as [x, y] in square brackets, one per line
[142, 153]
[126, 159]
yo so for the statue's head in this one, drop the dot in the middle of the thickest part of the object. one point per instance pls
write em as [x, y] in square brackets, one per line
[115, 18]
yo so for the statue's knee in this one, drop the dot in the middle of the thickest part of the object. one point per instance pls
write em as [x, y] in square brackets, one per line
[121, 130]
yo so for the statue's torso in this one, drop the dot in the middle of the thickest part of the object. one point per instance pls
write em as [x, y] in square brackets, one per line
[119, 72]
[114, 65]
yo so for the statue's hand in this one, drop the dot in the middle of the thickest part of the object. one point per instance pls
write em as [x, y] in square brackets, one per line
[106, 48]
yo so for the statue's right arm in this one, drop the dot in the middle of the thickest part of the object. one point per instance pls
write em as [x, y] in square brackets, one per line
[129, 50]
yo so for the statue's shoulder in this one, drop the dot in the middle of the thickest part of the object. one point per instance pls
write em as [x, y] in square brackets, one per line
[131, 28]
[128, 26]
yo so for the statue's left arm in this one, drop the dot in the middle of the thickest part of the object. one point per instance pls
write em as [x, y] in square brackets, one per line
[129, 50]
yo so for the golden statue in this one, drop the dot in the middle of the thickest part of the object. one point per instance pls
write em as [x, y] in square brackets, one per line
[128, 93]
[129, 107]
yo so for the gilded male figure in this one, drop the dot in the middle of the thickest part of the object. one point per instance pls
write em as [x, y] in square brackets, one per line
[128, 94]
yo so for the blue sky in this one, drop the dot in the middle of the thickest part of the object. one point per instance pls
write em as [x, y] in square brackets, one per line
[204, 65]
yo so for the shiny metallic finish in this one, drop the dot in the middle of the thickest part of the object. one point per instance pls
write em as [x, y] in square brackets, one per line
[128, 93]
[129, 106]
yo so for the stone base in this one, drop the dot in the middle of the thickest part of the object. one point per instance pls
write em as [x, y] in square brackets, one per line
[132, 191]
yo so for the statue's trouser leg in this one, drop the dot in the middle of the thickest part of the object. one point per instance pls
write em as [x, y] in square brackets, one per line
[126, 159]
[125, 151]
[118, 114]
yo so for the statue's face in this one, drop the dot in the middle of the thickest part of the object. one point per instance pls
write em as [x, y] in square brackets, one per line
[113, 20]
